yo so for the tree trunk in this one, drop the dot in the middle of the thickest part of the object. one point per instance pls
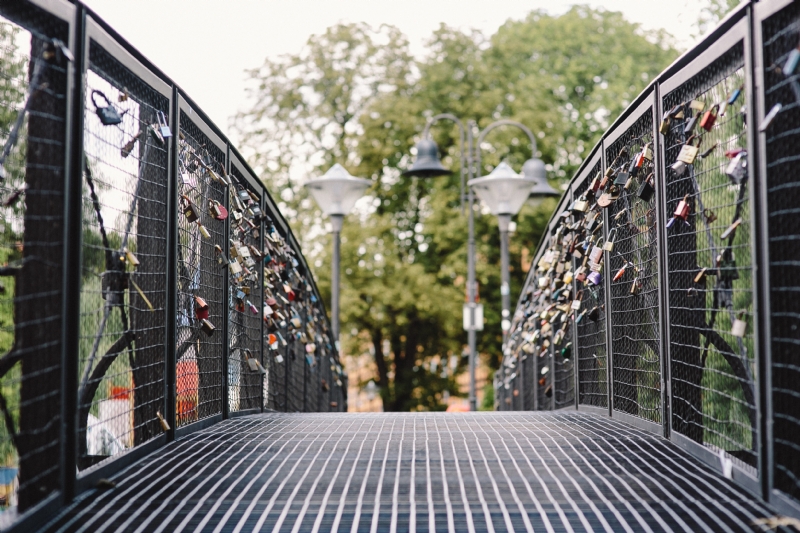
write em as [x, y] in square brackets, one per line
[150, 275]
[37, 313]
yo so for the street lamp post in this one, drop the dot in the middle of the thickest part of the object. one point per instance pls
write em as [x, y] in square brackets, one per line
[428, 165]
[336, 193]
[504, 192]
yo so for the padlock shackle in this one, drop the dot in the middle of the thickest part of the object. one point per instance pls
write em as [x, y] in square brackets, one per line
[692, 137]
[94, 102]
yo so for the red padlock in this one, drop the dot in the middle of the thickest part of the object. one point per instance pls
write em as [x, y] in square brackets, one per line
[682, 211]
[200, 308]
[709, 118]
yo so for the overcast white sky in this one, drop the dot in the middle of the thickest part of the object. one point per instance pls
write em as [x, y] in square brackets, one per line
[206, 45]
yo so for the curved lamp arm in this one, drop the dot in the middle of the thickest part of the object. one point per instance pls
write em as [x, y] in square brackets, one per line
[426, 133]
[499, 123]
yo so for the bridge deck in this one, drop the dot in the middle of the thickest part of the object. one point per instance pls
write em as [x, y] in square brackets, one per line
[426, 472]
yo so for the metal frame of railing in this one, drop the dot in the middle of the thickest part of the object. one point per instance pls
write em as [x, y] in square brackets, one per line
[97, 254]
[677, 365]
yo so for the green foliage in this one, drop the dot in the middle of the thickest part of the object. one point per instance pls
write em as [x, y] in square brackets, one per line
[356, 96]
[14, 65]
[713, 12]
[487, 404]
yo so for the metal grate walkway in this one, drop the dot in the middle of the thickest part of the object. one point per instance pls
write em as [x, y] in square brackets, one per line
[417, 472]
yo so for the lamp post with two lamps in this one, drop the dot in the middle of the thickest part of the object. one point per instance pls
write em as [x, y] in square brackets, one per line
[534, 180]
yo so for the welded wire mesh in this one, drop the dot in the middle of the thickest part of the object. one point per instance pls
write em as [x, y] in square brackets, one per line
[781, 35]
[202, 274]
[590, 317]
[709, 259]
[537, 370]
[121, 387]
[635, 314]
[276, 313]
[245, 369]
[33, 82]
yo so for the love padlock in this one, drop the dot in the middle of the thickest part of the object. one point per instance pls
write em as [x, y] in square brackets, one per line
[217, 210]
[647, 188]
[689, 151]
[737, 168]
[576, 303]
[739, 326]
[596, 255]
[163, 127]
[709, 118]
[608, 246]
[108, 114]
[200, 308]
[189, 209]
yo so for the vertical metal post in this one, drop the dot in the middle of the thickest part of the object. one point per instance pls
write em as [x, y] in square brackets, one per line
[170, 333]
[607, 303]
[663, 271]
[471, 277]
[262, 357]
[757, 170]
[226, 410]
[336, 229]
[73, 220]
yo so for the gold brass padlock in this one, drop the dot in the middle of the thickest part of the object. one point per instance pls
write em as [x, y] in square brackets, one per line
[689, 151]
[608, 246]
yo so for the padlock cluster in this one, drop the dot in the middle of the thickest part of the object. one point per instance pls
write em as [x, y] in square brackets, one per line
[688, 124]
[265, 285]
[540, 333]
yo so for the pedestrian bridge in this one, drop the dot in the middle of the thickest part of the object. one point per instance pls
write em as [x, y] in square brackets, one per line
[167, 364]
[565, 471]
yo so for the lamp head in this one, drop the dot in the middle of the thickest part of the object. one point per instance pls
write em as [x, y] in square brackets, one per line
[534, 170]
[337, 191]
[427, 163]
[503, 190]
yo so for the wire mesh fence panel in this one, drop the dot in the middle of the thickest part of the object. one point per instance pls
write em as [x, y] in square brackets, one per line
[781, 34]
[709, 257]
[122, 323]
[537, 371]
[33, 82]
[632, 236]
[276, 317]
[245, 369]
[590, 311]
[202, 273]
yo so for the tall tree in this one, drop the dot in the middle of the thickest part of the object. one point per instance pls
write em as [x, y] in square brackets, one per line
[404, 252]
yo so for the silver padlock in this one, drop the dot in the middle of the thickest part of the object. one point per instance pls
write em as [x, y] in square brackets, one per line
[163, 127]
[737, 168]
[739, 327]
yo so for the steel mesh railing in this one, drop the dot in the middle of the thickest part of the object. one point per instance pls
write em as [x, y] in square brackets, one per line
[780, 36]
[121, 384]
[590, 316]
[245, 369]
[709, 258]
[202, 268]
[634, 269]
[33, 110]
[702, 316]
[111, 201]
